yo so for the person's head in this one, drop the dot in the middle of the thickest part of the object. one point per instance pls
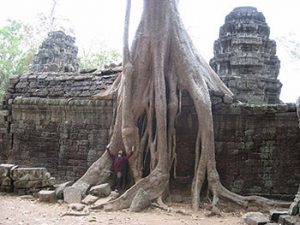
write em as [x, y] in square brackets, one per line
[120, 153]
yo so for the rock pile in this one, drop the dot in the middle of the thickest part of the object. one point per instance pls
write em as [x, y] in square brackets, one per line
[56, 54]
[276, 217]
[24, 180]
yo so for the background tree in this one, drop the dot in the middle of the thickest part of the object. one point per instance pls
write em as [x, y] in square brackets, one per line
[161, 64]
[14, 56]
[99, 57]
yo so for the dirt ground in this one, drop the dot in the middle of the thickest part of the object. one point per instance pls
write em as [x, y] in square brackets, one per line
[19, 211]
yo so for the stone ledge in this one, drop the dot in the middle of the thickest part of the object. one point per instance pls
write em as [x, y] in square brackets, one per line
[61, 101]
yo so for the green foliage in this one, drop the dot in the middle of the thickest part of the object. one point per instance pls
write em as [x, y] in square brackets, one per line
[14, 57]
[98, 59]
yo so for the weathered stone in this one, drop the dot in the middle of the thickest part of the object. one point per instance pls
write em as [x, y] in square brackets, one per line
[77, 209]
[275, 214]
[5, 169]
[5, 181]
[57, 53]
[295, 206]
[102, 190]
[294, 209]
[72, 195]
[140, 201]
[90, 199]
[29, 184]
[59, 189]
[30, 174]
[289, 220]
[245, 57]
[255, 218]
[4, 113]
[47, 196]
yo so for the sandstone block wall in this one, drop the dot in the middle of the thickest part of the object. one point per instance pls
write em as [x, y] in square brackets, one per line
[258, 147]
[63, 136]
[5, 135]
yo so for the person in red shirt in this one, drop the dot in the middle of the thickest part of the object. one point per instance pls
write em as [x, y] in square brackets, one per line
[120, 162]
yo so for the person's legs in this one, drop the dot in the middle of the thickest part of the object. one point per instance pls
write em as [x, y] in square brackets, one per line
[119, 181]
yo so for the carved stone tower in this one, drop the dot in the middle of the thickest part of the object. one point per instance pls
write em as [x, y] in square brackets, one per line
[56, 54]
[245, 58]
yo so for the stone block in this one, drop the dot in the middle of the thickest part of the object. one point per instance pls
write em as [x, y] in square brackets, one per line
[59, 189]
[102, 190]
[32, 184]
[5, 181]
[275, 214]
[72, 195]
[5, 169]
[37, 173]
[289, 220]
[294, 208]
[140, 201]
[47, 196]
[90, 199]
[255, 218]
[4, 112]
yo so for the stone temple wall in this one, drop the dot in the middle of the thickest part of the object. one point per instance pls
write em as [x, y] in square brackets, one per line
[5, 135]
[65, 137]
[257, 147]
[65, 131]
[48, 127]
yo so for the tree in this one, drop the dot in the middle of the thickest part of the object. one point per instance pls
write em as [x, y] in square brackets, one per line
[99, 58]
[161, 64]
[14, 58]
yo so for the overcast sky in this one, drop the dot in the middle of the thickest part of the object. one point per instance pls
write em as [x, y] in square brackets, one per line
[101, 21]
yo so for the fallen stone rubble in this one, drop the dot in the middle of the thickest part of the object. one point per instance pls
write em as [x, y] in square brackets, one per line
[21, 180]
[289, 216]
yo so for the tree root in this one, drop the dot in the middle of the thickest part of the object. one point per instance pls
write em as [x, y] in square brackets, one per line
[161, 64]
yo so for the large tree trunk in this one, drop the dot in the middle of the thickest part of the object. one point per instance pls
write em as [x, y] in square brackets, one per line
[161, 64]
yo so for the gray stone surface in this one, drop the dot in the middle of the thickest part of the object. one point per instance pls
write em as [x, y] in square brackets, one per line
[276, 213]
[59, 189]
[140, 201]
[102, 190]
[30, 174]
[245, 58]
[255, 218]
[57, 53]
[289, 220]
[90, 199]
[295, 206]
[24, 180]
[5, 169]
[47, 196]
[72, 195]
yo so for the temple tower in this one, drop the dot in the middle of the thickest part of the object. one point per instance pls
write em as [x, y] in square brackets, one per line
[56, 54]
[245, 58]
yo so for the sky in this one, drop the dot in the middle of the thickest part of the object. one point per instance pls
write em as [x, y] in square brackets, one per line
[100, 22]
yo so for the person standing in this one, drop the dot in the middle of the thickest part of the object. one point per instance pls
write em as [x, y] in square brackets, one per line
[120, 162]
